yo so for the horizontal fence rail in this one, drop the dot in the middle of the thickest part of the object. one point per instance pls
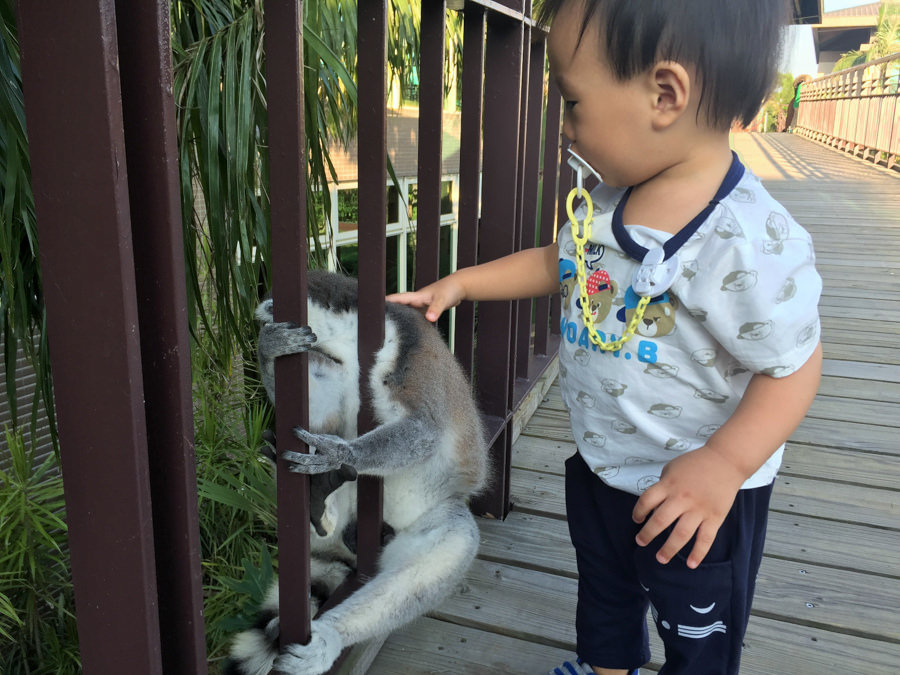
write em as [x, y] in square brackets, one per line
[855, 110]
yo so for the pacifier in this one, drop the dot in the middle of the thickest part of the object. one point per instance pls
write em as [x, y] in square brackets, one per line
[655, 275]
[579, 164]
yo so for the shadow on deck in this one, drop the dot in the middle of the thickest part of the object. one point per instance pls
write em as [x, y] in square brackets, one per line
[829, 588]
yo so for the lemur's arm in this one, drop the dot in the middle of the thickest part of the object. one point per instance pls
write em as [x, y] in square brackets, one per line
[382, 451]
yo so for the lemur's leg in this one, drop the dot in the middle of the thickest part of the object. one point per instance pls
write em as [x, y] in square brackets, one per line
[420, 567]
[253, 652]
[382, 451]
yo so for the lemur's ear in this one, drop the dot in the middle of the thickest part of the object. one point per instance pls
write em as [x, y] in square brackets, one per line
[670, 85]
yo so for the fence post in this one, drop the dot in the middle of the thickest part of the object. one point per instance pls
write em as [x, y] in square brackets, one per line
[502, 95]
[80, 181]
[372, 41]
[431, 113]
[470, 171]
[145, 63]
[287, 185]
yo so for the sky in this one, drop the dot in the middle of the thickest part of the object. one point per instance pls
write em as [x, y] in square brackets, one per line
[800, 53]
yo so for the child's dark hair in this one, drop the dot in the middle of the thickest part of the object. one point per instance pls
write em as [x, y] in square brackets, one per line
[734, 45]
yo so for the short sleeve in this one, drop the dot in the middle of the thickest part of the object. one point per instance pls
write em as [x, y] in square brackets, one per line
[758, 297]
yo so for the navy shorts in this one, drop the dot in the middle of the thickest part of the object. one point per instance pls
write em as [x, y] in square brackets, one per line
[701, 614]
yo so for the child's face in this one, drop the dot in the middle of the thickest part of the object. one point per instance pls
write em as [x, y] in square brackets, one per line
[607, 120]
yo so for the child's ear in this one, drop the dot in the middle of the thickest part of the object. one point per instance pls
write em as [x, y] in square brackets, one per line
[671, 87]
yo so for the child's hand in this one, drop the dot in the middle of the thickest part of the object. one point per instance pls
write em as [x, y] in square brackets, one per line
[442, 294]
[696, 489]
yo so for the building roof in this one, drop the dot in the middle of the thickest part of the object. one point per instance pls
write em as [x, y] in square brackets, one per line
[844, 30]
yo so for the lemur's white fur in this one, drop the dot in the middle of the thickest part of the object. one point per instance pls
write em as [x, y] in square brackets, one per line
[429, 447]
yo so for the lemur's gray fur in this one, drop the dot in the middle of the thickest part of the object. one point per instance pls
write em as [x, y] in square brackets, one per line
[429, 447]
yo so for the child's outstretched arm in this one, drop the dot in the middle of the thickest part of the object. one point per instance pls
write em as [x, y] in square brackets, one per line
[527, 274]
[698, 488]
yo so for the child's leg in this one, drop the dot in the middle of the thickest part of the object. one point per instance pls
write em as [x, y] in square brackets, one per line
[610, 622]
[701, 615]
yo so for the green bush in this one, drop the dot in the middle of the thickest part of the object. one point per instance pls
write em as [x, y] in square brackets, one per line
[38, 633]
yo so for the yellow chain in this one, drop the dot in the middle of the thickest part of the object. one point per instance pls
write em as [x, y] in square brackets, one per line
[580, 235]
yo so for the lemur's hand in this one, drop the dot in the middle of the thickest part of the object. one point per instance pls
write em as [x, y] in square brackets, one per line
[280, 339]
[326, 452]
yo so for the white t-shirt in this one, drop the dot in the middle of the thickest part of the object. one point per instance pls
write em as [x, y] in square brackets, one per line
[745, 302]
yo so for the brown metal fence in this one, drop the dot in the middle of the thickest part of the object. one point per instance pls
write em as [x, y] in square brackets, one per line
[856, 110]
[98, 91]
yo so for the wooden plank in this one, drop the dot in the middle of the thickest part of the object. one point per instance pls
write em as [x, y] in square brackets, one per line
[542, 543]
[878, 413]
[858, 327]
[537, 454]
[887, 339]
[843, 600]
[849, 435]
[834, 501]
[450, 648]
[858, 388]
[842, 430]
[841, 465]
[530, 541]
[544, 494]
[866, 371]
[865, 354]
[772, 646]
[502, 600]
[515, 602]
[831, 544]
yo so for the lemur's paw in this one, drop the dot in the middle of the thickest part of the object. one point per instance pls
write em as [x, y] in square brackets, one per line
[279, 339]
[326, 452]
[317, 657]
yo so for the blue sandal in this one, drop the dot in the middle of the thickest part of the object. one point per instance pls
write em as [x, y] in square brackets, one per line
[579, 667]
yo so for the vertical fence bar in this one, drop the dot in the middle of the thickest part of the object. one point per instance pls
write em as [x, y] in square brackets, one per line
[470, 171]
[502, 95]
[79, 176]
[372, 42]
[531, 135]
[431, 111]
[544, 307]
[149, 116]
[287, 185]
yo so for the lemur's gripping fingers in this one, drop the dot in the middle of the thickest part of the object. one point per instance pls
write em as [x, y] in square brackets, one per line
[325, 645]
[326, 452]
[280, 339]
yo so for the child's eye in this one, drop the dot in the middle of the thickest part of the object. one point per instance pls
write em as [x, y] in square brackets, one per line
[570, 104]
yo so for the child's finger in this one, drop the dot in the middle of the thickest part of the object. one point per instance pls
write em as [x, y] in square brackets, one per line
[706, 535]
[684, 529]
[646, 503]
[663, 515]
[435, 309]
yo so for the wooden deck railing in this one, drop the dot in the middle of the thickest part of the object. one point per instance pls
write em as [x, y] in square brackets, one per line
[109, 226]
[856, 110]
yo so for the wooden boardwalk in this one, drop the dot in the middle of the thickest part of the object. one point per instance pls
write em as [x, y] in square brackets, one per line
[828, 595]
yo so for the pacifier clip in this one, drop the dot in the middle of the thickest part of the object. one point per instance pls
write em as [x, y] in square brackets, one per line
[654, 277]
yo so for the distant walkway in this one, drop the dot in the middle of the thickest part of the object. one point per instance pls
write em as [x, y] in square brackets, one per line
[828, 598]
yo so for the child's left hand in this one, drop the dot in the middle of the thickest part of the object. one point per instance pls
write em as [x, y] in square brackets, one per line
[696, 489]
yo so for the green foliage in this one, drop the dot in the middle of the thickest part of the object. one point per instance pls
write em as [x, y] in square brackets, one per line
[778, 103]
[884, 42]
[37, 627]
[21, 297]
[237, 502]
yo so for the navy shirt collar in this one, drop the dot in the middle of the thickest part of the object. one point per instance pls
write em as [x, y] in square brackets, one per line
[637, 252]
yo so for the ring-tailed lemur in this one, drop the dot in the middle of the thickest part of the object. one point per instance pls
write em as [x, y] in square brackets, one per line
[429, 447]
